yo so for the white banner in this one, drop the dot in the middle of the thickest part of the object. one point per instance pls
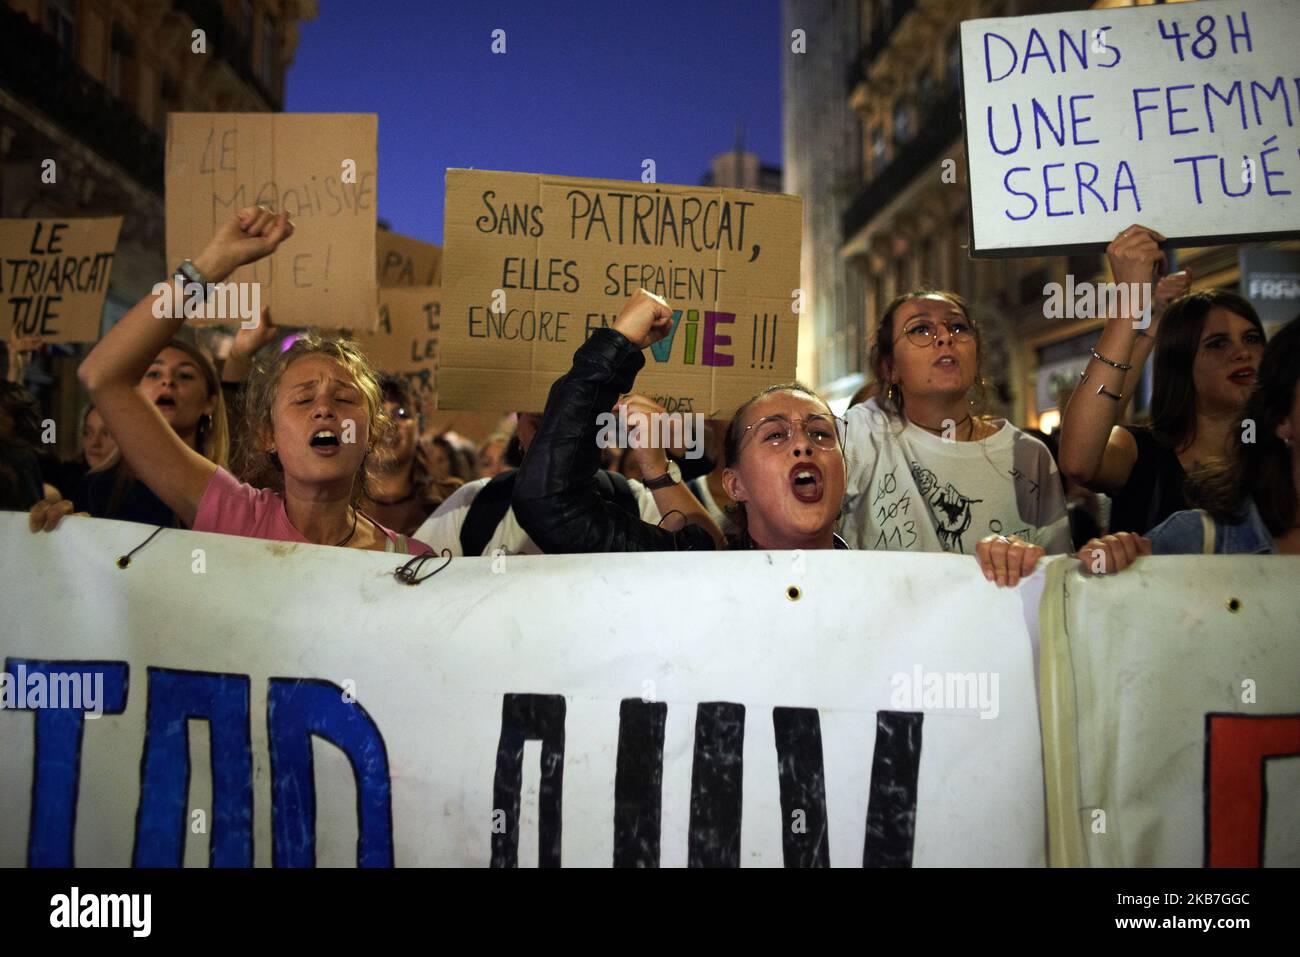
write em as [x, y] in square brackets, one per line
[1181, 116]
[1172, 708]
[231, 701]
[734, 708]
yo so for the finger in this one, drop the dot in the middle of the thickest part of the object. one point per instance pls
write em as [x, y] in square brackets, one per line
[982, 555]
[1029, 559]
[998, 555]
[1117, 554]
[1128, 541]
[1143, 545]
[36, 517]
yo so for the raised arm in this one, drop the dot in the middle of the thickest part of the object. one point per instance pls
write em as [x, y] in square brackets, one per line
[1094, 451]
[556, 500]
[111, 373]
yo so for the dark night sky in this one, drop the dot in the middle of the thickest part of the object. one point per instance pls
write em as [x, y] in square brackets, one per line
[584, 88]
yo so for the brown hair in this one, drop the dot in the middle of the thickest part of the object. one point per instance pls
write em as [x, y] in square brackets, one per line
[731, 447]
[882, 348]
[1178, 337]
[1259, 470]
[261, 469]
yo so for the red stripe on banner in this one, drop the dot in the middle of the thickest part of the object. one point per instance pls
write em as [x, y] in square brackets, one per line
[1235, 749]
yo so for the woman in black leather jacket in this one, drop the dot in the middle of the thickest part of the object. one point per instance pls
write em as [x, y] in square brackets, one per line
[785, 463]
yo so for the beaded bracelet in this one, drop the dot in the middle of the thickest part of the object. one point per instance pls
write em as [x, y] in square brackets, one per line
[1121, 366]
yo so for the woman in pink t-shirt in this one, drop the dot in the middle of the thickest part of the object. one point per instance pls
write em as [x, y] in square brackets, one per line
[312, 415]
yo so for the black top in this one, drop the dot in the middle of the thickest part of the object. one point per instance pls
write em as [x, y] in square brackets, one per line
[556, 500]
[20, 476]
[1155, 487]
[129, 500]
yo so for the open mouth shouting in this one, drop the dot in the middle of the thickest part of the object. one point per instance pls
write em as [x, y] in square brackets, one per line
[165, 403]
[807, 483]
[325, 442]
[1243, 376]
[946, 361]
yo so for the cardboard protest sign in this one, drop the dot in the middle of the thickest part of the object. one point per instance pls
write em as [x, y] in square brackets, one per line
[406, 338]
[403, 261]
[54, 276]
[534, 264]
[1182, 117]
[318, 167]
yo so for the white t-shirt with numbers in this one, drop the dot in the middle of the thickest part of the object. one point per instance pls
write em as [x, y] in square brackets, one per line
[912, 490]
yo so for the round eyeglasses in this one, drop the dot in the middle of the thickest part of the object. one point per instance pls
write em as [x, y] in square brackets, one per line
[925, 333]
[775, 431]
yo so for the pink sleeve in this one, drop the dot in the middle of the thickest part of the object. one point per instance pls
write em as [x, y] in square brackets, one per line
[233, 507]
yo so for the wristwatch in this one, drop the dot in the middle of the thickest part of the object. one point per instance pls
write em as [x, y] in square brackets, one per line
[190, 273]
[672, 477]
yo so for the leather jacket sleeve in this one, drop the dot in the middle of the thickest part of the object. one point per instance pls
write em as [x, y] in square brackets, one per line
[555, 499]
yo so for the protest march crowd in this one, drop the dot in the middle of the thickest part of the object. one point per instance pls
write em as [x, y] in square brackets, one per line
[304, 440]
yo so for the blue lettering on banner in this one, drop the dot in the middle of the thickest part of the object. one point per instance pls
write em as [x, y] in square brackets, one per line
[57, 764]
[296, 709]
[176, 698]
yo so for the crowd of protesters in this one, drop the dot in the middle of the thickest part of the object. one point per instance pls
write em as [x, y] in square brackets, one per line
[302, 440]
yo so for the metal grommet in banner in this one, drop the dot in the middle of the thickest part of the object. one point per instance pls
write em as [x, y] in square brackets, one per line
[1233, 605]
[793, 593]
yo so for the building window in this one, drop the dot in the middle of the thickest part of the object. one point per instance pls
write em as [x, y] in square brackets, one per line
[877, 150]
[902, 123]
[268, 51]
[120, 47]
[925, 89]
[59, 21]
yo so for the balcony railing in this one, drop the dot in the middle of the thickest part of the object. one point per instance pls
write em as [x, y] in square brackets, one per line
[37, 70]
[880, 37]
[940, 125]
[226, 42]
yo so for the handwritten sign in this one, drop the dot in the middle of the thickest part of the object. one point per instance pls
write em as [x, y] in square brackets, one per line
[1181, 116]
[54, 275]
[403, 261]
[320, 168]
[535, 264]
[406, 338]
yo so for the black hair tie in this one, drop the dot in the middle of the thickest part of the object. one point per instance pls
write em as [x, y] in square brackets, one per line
[409, 574]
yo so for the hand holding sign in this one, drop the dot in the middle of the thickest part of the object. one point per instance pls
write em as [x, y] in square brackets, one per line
[644, 319]
[246, 237]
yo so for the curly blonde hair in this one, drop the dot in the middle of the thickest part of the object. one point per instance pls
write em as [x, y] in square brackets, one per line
[260, 468]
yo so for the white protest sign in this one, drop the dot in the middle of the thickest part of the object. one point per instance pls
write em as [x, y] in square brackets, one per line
[1179, 116]
[526, 711]
[1174, 740]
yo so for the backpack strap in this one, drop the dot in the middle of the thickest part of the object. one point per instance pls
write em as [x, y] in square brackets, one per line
[486, 512]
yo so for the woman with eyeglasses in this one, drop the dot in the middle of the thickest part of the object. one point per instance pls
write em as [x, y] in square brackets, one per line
[925, 472]
[784, 464]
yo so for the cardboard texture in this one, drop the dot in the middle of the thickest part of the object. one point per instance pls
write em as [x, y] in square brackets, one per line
[534, 263]
[405, 341]
[54, 275]
[320, 168]
[403, 261]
